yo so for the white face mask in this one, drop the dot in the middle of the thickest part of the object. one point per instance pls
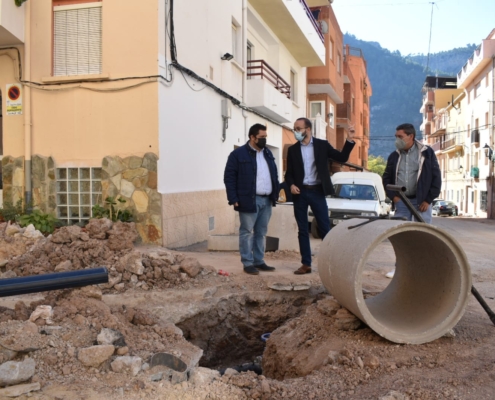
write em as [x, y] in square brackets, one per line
[400, 144]
[299, 136]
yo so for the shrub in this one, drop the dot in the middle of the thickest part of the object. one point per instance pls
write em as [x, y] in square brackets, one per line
[45, 223]
[10, 211]
[111, 212]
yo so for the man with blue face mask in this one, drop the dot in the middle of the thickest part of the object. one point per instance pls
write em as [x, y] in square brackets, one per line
[415, 167]
[308, 178]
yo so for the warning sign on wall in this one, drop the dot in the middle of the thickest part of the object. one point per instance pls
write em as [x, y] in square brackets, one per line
[14, 99]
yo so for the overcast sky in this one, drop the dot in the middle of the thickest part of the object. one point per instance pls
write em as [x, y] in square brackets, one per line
[404, 25]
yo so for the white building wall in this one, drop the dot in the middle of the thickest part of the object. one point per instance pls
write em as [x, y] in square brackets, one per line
[192, 153]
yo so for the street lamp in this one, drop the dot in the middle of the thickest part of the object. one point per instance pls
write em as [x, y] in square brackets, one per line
[460, 169]
[488, 151]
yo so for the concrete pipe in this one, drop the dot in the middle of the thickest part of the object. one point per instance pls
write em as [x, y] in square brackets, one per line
[428, 293]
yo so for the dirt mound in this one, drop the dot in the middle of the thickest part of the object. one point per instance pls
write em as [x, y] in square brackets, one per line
[100, 243]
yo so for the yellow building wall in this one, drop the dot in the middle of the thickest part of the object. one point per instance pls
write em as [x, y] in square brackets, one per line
[79, 124]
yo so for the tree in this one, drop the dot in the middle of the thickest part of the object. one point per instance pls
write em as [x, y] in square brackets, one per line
[377, 164]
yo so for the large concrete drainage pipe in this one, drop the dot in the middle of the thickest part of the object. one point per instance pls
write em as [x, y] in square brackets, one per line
[428, 294]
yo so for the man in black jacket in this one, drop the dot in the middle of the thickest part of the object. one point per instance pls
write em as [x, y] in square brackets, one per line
[308, 177]
[251, 181]
[415, 167]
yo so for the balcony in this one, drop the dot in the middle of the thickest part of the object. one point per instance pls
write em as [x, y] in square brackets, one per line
[453, 144]
[344, 115]
[268, 92]
[481, 57]
[11, 23]
[436, 147]
[295, 26]
[475, 172]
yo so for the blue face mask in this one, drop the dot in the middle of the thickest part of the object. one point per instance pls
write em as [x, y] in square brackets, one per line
[299, 136]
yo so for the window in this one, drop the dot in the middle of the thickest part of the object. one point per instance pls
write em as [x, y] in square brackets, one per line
[487, 79]
[477, 91]
[250, 52]
[483, 200]
[235, 40]
[330, 50]
[77, 39]
[331, 117]
[293, 86]
[317, 107]
[78, 190]
[338, 63]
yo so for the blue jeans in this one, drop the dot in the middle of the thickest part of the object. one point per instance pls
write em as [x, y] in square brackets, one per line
[401, 210]
[314, 198]
[252, 232]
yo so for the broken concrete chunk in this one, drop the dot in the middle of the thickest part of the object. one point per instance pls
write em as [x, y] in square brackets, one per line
[31, 233]
[94, 356]
[43, 312]
[13, 372]
[284, 287]
[19, 390]
[111, 336]
[191, 267]
[203, 376]
[127, 364]
[301, 286]
[97, 228]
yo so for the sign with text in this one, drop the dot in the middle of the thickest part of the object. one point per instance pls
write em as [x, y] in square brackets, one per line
[14, 99]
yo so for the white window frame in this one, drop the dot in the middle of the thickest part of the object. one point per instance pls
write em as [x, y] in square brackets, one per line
[322, 106]
[293, 85]
[75, 202]
[236, 41]
[331, 116]
[77, 51]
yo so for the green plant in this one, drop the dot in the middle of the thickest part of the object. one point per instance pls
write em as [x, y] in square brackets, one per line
[18, 3]
[112, 212]
[43, 222]
[10, 211]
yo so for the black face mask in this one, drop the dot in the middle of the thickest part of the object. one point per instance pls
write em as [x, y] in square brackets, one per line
[261, 143]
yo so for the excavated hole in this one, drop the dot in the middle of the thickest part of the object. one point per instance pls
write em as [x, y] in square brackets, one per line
[230, 332]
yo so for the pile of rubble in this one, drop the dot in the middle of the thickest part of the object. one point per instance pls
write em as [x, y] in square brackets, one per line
[26, 251]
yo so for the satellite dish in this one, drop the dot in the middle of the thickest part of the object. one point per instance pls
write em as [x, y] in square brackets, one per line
[323, 27]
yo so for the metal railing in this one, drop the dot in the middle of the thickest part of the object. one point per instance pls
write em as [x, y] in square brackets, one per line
[313, 20]
[261, 68]
[436, 146]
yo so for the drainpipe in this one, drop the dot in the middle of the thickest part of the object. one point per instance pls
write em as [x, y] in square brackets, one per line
[491, 193]
[27, 109]
[244, 60]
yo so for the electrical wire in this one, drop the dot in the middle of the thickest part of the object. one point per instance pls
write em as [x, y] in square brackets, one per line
[429, 43]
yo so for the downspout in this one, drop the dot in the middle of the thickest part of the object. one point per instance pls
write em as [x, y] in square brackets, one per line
[27, 110]
[244, 60]
[491, 140]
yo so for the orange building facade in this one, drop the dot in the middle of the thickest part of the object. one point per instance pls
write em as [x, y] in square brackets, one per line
[339, 92]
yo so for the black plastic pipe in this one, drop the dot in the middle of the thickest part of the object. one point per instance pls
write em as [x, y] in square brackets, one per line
[54, 281]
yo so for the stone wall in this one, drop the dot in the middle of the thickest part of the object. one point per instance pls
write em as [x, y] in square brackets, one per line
[134, 179]
[186, 217]
[13, 179]
[44, 183]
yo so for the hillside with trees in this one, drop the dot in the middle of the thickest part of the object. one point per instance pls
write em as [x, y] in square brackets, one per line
[396, 82]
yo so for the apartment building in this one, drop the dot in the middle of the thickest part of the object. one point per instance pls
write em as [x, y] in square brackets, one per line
[339, 93]
[126, 99]
[458, 122]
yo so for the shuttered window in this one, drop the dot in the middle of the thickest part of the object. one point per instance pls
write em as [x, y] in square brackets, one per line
[77, 40]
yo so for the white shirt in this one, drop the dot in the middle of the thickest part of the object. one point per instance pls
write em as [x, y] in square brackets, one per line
[308, 156]
[263, 178]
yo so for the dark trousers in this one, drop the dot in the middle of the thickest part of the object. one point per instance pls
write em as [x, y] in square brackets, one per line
[314, 198]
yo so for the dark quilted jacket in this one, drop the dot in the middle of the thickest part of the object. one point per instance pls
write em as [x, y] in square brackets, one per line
[240, 178]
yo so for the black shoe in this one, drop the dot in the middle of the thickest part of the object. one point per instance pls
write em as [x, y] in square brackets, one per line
[264, 267]
[251, 270]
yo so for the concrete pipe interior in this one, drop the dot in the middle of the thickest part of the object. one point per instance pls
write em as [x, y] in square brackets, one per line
[430, 288]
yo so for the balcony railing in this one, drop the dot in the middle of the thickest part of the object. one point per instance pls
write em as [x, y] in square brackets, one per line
[344, 110]
[436, 146]
[313, 20]
[449, 143]
[261, 69]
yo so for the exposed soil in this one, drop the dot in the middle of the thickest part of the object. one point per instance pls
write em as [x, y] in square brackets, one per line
[162, 301]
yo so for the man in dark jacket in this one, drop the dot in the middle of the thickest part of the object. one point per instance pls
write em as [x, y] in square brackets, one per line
[251, 180]
[415, 167]
[308, 177]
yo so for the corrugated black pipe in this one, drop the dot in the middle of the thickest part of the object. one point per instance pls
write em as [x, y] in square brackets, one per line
[54, 281]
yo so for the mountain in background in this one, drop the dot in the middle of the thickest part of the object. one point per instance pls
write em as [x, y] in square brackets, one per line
[396, 82]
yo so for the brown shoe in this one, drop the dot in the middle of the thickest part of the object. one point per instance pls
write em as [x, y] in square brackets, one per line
[304, 269]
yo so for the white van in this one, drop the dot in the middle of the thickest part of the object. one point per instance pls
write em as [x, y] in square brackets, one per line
[356, 194]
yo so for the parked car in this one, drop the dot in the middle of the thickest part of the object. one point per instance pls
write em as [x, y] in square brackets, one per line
[358, 194]
[444, 207]
[436, 201]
